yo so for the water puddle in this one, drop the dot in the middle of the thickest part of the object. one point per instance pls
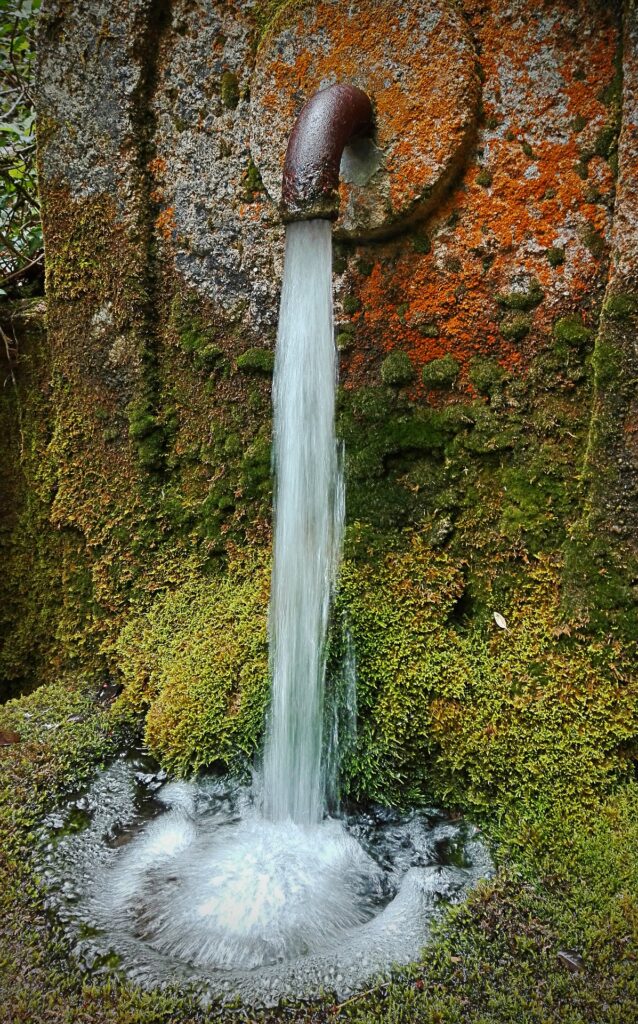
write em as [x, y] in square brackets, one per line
[185, 882]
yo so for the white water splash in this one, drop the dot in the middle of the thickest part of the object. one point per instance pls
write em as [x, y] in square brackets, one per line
[309, 511]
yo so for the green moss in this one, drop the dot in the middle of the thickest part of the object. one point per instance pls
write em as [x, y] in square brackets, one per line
[515, 328]
[365, 267]
[229, 90]
[484, 178]
[579, 123]
[428, 330]
[594, 241]
[351, 304]
[620, 306]
[440, 373]
[522, 300]
[345, 341]
[485, 717]
[422, 243]
[339, 259]
[396, 369]
[196, 341]
[536, 503]
[256, 360]
[555, 256]
[198, 660]
[486, 375]
[527, 149]
[607, 362]
[371, 405]
[255, 469]
[252, 185]
[571, 331]
[148, 433]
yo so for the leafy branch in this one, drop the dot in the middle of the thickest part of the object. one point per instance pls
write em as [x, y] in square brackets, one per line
[21, 253]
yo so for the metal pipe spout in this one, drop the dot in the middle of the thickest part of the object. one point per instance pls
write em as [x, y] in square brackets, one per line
[328, 121]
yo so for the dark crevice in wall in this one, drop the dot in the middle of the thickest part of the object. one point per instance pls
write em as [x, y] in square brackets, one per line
[146, 422]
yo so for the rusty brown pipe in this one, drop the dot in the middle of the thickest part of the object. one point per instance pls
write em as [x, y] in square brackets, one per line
[328, 121]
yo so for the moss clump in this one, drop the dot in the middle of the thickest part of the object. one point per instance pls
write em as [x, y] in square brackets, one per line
[515, 328]
[422, 243]
[256, 360]
[594, 241]
[428, 330]
[486, 375]
[339, 259]
[229, 90]
[440, 373]
[198, 660]
[197, 343]
[621, 306]
[555, 256]
[397, 370]
[252, 185]
[351, 304]
[571, 331]
[365, 267]
[484, 178]
[345, 341]
[147, 432]
[522, 300]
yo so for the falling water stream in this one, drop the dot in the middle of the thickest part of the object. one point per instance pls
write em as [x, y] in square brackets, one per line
[308, 525]
[253, 891]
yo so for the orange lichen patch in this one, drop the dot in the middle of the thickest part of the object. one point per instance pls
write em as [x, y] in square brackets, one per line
[492, 235]
[250, 211]
[157, 166]
[165, 223]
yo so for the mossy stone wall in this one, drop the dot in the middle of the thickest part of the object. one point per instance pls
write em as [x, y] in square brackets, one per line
[475, 347]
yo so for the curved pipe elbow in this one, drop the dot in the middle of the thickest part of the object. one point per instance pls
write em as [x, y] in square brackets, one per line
[328, 121]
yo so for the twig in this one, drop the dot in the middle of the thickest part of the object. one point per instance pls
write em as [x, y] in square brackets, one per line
[22, 270]
[360, 995]
[8, 346]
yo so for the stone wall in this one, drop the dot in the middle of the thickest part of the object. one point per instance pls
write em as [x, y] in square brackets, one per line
[485, 401]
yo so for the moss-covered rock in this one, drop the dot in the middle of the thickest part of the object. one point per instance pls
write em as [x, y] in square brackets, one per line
[256, 360]
[397, 370]
[572, 331]
[486, 375]
[198, 663]
[229, 90]
[440, 373]
[483, 716]
[515, 328]
[555, 256]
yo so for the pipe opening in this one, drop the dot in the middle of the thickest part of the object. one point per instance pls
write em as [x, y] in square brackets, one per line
[329, 121]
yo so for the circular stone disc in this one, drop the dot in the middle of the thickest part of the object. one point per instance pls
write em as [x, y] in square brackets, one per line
[415, 60]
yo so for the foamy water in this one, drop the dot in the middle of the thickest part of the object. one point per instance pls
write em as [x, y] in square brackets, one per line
[186, 882]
